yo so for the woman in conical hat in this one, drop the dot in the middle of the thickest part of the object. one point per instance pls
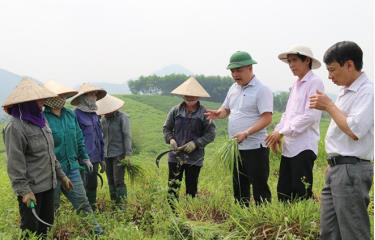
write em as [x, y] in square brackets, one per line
[187, 131]
[85, 102]
[117, 144]
[69, 148]
[32, 166]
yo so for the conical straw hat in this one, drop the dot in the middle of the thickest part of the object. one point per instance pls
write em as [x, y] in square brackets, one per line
[60, 89]
[27, 90]
[108, 104]
[190, 87]
[86, 88]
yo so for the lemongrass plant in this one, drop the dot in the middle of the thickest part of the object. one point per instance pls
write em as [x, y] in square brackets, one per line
[229, 154]
[132, 169]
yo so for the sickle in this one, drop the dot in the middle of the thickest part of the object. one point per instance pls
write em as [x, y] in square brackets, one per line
[157, 160]
[101, 179]
[32, 206]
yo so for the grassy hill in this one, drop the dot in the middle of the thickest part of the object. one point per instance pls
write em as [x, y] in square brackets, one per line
[212, 215]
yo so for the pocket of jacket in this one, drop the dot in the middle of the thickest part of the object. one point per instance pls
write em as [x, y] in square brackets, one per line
[37, 142]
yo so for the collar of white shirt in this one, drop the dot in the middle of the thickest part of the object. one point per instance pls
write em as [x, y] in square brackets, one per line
[307, 76]
[355, 85]
[252, 82]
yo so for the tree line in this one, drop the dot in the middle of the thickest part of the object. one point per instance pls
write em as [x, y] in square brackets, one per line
[216, 86]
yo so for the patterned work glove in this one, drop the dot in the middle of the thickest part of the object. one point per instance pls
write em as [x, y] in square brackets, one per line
[189, 147]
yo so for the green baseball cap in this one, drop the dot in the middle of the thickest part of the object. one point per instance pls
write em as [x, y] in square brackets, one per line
[240, 59]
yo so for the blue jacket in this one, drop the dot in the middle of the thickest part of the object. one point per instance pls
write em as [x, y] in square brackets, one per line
[92, 133]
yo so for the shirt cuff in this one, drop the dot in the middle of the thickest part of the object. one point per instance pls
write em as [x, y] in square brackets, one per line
[358, 131]
[285, 131]
[23, 191]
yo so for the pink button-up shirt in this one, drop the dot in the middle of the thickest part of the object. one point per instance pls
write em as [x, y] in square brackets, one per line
[299, 124]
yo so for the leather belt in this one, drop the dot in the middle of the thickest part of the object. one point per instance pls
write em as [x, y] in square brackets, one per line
[337, 160]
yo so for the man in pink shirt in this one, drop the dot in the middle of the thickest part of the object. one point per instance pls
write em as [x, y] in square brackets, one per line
[299, 128]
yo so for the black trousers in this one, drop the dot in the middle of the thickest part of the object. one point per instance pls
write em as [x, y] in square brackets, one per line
[115, 172]
[252, 170]
[175, 177]
[296, 176]
[90, 180]
[44, 208]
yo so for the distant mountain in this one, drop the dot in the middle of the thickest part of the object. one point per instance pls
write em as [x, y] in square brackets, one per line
[8, 82]
[172, 69]
[113, 88]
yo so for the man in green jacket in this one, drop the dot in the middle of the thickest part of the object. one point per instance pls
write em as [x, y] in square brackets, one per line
[69, 149]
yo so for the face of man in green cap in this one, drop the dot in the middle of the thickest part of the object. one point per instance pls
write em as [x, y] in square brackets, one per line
[240, 65]
[242, 75]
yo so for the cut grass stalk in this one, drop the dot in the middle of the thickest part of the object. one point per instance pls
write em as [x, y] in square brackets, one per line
[229, 154]
[133, 170]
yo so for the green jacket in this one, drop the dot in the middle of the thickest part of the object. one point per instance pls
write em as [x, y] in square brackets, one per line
[68, 138]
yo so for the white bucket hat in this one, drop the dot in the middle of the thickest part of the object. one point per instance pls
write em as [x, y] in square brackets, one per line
[86, 88]
[60, 89]
[302, 50]
[27, 90]
[108, 104]
[190, 87]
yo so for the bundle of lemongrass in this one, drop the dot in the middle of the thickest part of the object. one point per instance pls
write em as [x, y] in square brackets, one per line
[132, 169]
[229, 154]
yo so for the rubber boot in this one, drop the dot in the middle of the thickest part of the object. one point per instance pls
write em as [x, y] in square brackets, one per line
[91, 196]
[112, 192]
[98, 230]
[122, 194]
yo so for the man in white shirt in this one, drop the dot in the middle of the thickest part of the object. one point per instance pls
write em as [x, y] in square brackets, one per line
[248, 106]
[299, 126]
[349, 145]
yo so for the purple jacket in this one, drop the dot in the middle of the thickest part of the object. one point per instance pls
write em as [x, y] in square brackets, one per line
[92, 133]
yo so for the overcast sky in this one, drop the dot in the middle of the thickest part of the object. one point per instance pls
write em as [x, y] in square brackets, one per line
[74, 41]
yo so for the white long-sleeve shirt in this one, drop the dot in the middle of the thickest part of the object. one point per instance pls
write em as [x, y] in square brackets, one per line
[357, 103]
[299, 124]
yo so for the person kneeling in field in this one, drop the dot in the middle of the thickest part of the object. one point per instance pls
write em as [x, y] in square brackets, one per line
[69, 149]
[187, 131]
[117, 145]
[32, 165]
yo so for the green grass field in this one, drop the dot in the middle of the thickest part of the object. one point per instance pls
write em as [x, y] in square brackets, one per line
[212, 215]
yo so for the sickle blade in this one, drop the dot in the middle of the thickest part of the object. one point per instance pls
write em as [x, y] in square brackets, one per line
[157, 160]
[39, 219]
[101, 179]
